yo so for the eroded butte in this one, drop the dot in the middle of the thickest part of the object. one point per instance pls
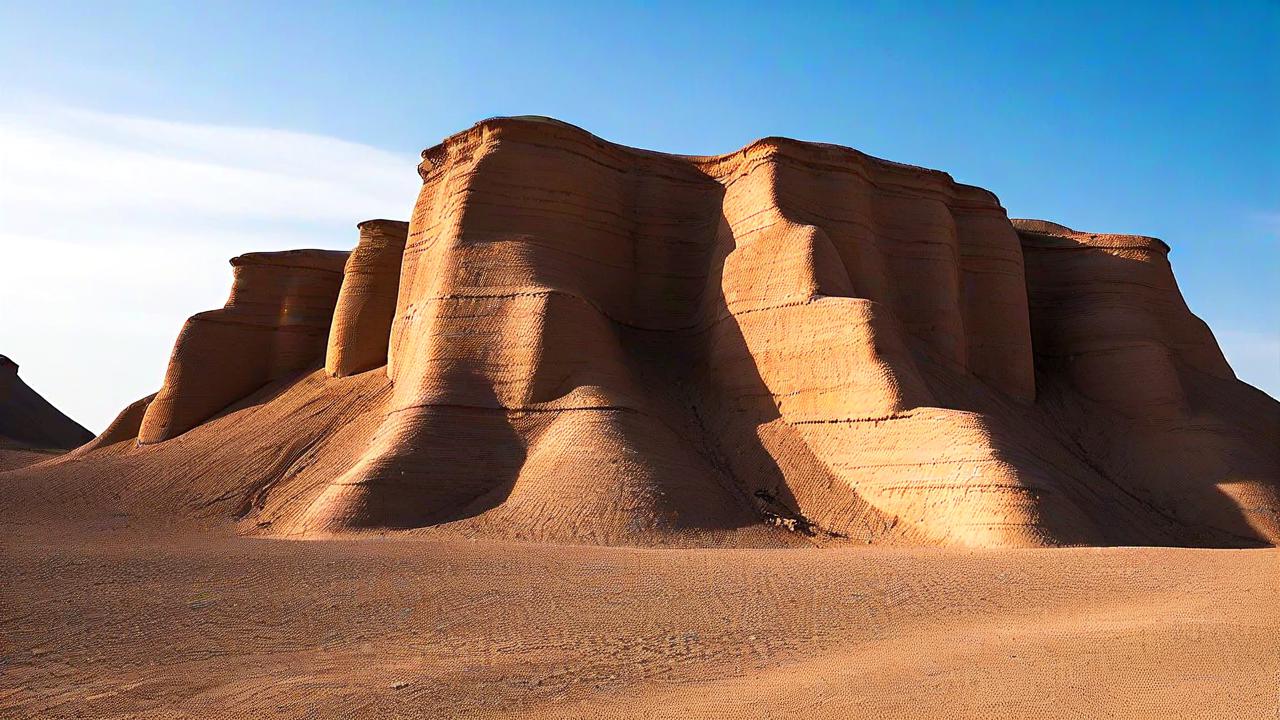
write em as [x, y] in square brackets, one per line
[795, 343]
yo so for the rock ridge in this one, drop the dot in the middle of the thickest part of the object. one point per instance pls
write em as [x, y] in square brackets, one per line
[576, 341]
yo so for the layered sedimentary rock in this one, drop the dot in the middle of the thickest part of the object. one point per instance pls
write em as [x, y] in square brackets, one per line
[1115, 340]
[585, 342]
[275, 322]
[124, 428]
[1109, 314]
[704, 314]
[367, 303]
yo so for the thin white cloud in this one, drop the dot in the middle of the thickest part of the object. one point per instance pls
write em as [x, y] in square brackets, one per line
[120, 165]
[116, 229]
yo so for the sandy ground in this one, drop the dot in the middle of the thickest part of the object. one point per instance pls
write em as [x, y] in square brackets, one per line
[112, 623]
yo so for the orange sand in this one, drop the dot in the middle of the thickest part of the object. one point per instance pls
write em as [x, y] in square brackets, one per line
[117, 625]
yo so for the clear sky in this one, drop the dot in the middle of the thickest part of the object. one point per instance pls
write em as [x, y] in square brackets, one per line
[143, 144]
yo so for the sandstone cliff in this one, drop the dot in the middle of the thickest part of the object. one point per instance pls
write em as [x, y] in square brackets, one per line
[576, 341]
[275, 323]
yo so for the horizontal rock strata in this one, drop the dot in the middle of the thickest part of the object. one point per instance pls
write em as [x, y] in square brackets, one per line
[276, 322]
[575, 341]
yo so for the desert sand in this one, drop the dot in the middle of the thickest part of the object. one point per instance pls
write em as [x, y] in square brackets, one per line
[607, 432]
[122, 625]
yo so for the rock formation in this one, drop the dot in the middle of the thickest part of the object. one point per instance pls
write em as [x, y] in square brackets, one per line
[31, 429]
[275, 323]
[576, 341]
[367, 305]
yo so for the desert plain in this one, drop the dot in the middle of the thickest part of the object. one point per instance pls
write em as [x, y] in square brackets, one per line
[118, 623]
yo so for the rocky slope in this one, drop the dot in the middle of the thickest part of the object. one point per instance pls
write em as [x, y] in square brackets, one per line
[31, 429]
[576, 341]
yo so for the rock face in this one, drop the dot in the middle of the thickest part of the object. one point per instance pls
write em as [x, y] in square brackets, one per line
[585, 342]
[1110, 318]
[29, 424]
[367, 305]
[275, 323]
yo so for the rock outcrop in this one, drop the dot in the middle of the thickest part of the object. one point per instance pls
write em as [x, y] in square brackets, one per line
[367, 303]
[576, 341]
[1110, 318]
[275, 323]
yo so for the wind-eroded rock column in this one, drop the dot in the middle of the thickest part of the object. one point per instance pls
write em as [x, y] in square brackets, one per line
[367, 303]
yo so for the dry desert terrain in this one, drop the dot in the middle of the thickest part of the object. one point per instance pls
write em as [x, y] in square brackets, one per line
[605, 432]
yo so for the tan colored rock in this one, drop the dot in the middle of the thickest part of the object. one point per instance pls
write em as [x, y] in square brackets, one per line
[367, 302]
[791, 343]
[787, 281]
[275, 323]
[1110, 316]
[124, 428]
[1142, 386]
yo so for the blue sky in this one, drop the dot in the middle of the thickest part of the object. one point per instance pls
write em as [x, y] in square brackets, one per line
[143, 144]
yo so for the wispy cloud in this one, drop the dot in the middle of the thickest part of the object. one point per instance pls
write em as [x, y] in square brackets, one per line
[117, 228]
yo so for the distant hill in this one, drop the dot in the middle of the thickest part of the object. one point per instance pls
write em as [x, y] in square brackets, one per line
[31, 429]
